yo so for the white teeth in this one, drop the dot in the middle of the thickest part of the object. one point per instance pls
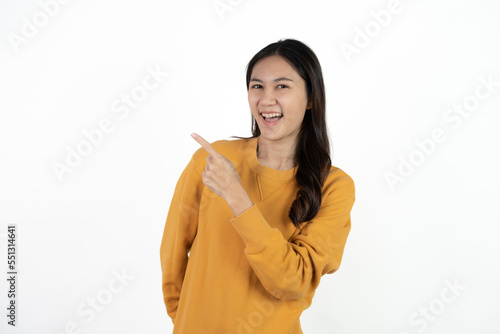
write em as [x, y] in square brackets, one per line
[271, 115]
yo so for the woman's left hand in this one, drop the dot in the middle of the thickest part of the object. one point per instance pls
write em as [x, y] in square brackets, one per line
[222, 178]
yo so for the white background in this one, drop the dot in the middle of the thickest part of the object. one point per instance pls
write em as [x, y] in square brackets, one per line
[437, 227]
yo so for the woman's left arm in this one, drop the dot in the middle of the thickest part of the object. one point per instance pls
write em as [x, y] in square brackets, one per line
[292, 269]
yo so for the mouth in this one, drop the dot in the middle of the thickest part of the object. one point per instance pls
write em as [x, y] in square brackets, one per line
[271, 118]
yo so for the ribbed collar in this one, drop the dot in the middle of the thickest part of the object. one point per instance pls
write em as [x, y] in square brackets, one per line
[255, 166]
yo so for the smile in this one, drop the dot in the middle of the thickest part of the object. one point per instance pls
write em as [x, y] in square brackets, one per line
[271, 118]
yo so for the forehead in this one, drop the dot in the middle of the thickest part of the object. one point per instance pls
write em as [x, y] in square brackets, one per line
[272, 67]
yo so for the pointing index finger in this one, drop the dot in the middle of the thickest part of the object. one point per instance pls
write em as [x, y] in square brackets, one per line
[205, 144]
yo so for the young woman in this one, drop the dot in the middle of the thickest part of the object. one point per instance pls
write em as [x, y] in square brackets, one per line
[255, 222]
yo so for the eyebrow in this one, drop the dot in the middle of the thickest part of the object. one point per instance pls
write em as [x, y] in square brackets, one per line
[275, 80]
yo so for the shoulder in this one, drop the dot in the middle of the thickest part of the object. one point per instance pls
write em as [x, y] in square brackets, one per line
[338, 184]
[231, 148]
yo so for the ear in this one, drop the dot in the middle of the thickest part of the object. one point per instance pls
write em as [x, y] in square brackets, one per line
[309, 105]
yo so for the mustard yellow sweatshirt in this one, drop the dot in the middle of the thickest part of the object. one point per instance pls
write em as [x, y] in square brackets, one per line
[254, 273]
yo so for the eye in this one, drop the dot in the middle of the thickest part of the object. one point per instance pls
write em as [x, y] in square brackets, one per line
[256, 86]
[282, 86]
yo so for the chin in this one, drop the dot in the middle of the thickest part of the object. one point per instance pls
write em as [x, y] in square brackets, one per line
[270, 136]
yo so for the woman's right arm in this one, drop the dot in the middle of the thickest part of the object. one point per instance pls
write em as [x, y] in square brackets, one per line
[178, 235]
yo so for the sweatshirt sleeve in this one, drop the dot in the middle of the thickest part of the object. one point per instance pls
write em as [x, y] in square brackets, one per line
[178, 235]
[291, 269]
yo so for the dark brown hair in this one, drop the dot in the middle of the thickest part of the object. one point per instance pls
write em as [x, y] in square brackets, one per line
[312, 154]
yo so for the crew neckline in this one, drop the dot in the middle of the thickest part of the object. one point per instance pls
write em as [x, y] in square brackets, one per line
[257, 168]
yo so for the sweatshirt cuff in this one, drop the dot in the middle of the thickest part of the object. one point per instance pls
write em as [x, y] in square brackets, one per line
[253, 228]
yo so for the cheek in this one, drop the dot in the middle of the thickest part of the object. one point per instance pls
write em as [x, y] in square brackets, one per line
[301, 101]
[298, 104]
[297, 116]
[252, 105]
[252, 100]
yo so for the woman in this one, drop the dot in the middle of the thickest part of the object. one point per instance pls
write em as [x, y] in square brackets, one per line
[255, 222]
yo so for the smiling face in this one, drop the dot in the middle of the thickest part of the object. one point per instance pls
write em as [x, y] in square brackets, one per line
[278, 99]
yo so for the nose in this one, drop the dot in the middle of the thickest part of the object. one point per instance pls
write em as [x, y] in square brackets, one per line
[268, 98]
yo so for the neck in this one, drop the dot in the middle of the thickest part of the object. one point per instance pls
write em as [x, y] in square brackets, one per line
[278, 155]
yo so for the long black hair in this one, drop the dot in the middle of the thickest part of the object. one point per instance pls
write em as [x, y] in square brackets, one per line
[312, 154]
